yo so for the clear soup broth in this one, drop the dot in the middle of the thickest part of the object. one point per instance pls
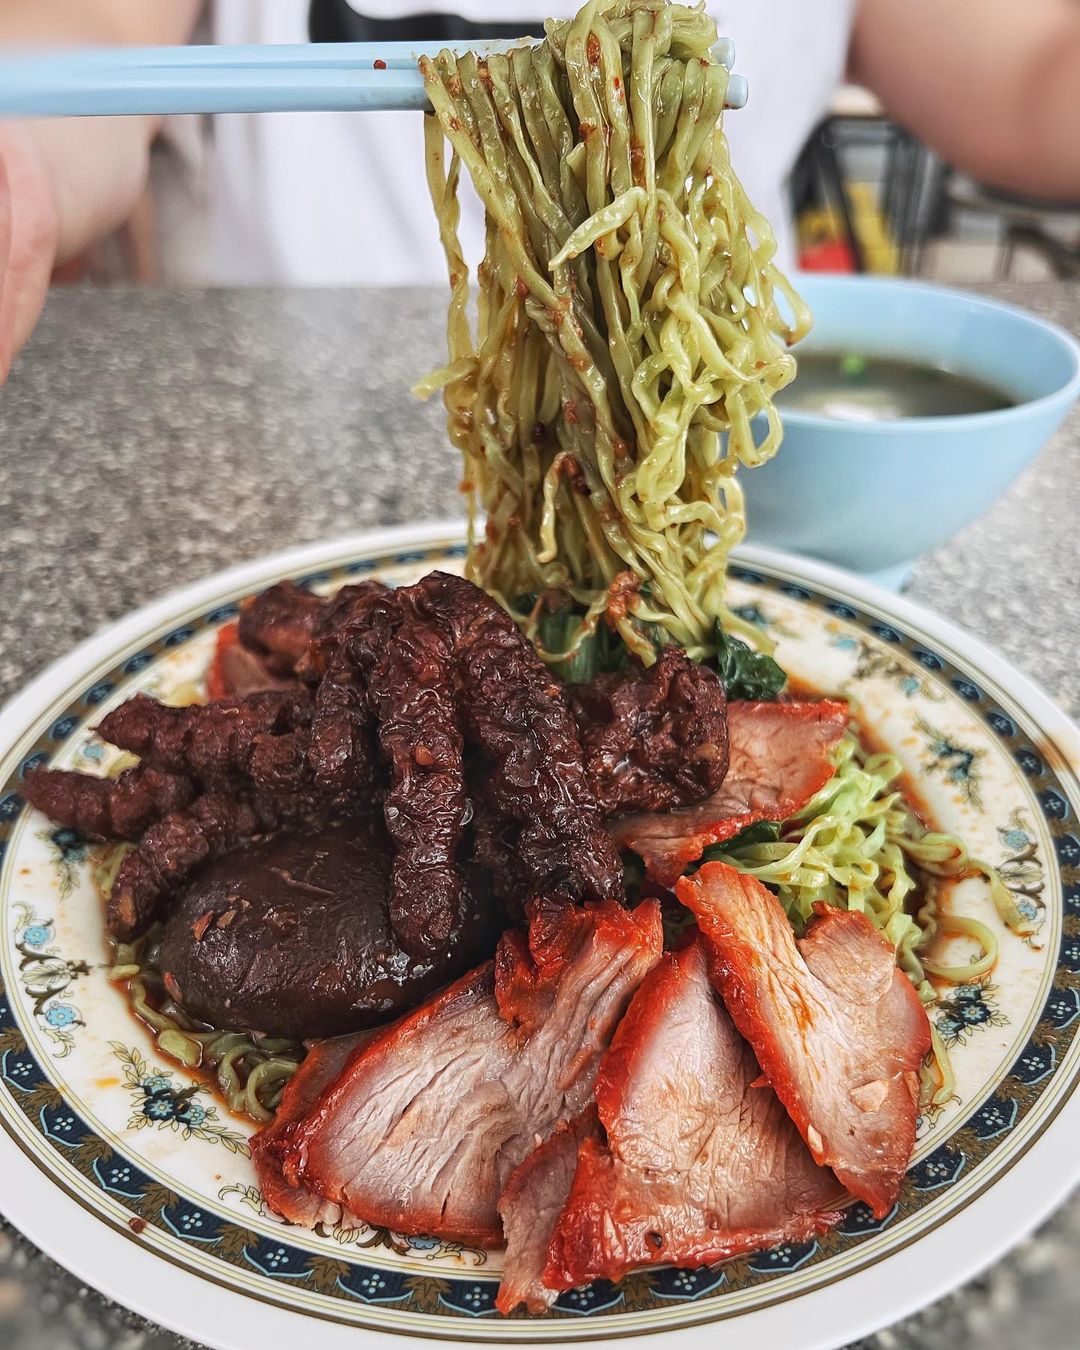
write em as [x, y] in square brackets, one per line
[853, 388]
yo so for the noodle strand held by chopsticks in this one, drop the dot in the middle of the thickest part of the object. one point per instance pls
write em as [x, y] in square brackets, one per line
[626, 331]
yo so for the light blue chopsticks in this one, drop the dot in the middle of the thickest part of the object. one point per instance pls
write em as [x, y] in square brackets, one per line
[316, 77]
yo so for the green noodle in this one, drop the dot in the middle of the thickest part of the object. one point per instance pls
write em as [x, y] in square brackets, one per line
[626, 331]
[938, 1078]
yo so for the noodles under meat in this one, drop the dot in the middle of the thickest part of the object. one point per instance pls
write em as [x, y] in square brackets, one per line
[626, 331]
[858, 845]
[250, 1070]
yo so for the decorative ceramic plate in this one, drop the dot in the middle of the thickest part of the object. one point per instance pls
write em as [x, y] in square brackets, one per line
[145, 1189]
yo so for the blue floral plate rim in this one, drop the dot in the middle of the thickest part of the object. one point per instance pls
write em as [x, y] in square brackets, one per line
[227, 1324]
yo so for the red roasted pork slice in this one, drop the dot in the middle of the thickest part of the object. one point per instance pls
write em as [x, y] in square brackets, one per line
[234, 669]
[422, 1130]
[530, 1206]
[779, 757]
[837, 1028]
[322, 1064]
[696, 1163]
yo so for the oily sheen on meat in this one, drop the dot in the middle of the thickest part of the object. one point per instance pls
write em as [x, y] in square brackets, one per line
[422, 1130]
[778, 758]
[291, 935]
[838, 1030]
[697, 1160]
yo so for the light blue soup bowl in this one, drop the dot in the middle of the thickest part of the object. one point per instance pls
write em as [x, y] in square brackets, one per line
[872, 496]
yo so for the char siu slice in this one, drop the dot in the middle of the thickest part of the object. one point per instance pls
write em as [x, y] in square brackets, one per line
[422, 1130]
[779, 757]
[236, 670]
[530, 1206]
[322, 1064]
[696, 1162]
[837, 1028]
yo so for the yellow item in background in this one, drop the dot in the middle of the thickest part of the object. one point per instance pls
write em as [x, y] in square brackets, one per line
[820, 227]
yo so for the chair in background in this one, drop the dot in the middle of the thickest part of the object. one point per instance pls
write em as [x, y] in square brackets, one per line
[908, 175]
[1026, 224]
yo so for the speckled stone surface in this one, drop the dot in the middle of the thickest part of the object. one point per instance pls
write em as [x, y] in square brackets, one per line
[148, 439]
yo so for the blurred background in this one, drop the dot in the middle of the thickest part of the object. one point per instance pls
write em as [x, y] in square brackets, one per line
[883, 180]
[865, 194]
[868, 196]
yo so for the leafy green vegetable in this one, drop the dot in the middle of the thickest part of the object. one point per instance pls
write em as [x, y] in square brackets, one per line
[761, 832]
[747, 674]
[633, 873]
[853, 365]
[677, 920]
[601, 652]
[555, 630]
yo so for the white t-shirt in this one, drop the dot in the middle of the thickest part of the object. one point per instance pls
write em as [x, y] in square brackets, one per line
[339, 198]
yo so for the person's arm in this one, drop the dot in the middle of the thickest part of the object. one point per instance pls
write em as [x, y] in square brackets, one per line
[69, 181]
[992, 85]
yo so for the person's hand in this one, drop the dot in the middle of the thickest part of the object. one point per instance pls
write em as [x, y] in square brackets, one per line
[29, 237]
